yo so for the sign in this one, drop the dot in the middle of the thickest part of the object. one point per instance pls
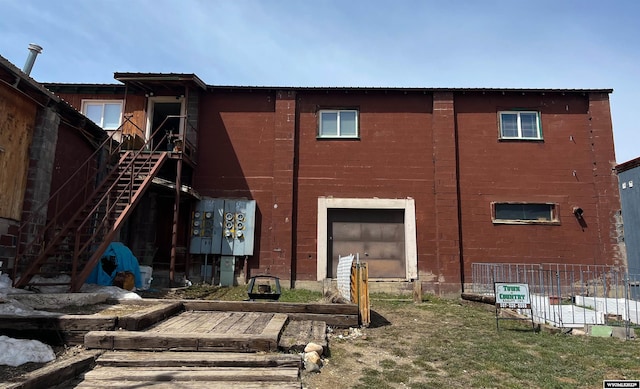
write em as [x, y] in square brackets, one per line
[512, 295]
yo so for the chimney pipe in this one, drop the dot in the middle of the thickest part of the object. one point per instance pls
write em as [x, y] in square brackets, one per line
[34, 50]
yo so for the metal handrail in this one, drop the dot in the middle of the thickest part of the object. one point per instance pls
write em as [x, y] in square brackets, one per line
[27, 249]
[24, 249]
[103, 225]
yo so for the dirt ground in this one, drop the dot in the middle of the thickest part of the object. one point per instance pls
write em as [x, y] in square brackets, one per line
[388, 341]
[355, 353]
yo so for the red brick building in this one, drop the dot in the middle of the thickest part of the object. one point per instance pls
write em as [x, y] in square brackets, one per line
[420, 182]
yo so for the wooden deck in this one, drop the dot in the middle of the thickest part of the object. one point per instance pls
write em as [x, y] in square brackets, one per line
[215, 323]
[130, 341]
[199, 331]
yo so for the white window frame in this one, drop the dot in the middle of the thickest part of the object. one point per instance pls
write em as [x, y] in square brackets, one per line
[410, 244]
[520, 136]
[553, 213]
[338, 112]
[88, 102]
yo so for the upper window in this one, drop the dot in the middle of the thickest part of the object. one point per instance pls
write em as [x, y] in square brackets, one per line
[524, 213]
[338, 123]
[105, 113]
[520, 125]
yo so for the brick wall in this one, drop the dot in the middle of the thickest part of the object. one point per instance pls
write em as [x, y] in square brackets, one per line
[236, 158]
[559, 169]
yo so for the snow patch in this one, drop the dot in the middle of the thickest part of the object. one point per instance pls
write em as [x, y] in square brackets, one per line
[16, 352]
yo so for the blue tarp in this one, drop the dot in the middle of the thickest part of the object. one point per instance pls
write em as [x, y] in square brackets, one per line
[124, 261]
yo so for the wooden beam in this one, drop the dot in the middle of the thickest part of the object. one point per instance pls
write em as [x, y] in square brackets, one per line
[57, 372]
[261, 306]
[125, 340]
[141, 320]
[197, 359]
[178, 374]
[60, 323]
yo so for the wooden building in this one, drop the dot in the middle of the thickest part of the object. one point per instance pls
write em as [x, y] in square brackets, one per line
[44, 142]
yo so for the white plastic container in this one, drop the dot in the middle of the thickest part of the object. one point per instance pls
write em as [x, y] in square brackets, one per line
[146, 274]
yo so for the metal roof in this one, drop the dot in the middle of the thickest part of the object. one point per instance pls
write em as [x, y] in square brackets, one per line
[175, 79]
[43, 96]
[419, 89]
[623, 167]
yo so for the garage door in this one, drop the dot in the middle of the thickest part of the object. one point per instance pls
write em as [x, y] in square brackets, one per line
[376, 234]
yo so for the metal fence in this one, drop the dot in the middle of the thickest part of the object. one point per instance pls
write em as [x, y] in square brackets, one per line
[565, 295]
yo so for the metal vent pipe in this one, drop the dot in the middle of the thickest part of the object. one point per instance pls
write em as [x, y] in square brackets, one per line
[34, 50]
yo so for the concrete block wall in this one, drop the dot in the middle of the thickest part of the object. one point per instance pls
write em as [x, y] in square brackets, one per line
[441, 149]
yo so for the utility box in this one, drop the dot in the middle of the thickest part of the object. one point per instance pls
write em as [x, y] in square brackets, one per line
[227, 270]
[223, 226]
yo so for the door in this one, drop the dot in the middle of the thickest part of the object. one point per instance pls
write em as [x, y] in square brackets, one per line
[159, 110]
[376, 234]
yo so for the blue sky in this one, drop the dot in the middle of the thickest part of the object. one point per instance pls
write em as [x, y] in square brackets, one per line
[395, 43]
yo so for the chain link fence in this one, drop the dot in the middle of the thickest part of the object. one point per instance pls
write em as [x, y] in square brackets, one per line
[565, 295]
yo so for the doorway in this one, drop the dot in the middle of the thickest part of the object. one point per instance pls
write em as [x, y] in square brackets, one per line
[377, 235]
[159, 109]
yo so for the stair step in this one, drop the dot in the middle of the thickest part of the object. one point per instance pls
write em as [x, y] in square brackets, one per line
[177, 374]
[197, 359]
[109, 202]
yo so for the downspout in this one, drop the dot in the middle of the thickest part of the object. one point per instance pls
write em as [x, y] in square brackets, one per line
[294, 194]
[458, 197]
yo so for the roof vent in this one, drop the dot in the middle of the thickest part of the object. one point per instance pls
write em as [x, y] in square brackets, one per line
[34, 50]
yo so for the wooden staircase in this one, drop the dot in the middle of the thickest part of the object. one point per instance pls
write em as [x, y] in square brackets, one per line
[73, 244]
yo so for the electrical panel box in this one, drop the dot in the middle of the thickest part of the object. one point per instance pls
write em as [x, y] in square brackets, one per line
[227, 270]
[223, 226]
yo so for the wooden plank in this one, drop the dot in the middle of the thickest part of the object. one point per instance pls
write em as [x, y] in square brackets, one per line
[63, 322]
[126, 340]
[178, 321]
[189, 385]
[247, 321]
[204, 324]
[215, 319]
[197, 359]
[332, 320]
[179, 374]
[154, 314]
[297, 334]
[275, 325]
[57, 372]
[258, 324]
[237, 343]
[176, 324]
[275, 307]
[193, 324]
[479, 298]
[223, 326]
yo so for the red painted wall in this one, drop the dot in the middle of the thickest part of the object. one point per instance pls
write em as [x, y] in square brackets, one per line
[559, 169]
[262, 144]
[72, 150]
[235, 158]
[392, 159]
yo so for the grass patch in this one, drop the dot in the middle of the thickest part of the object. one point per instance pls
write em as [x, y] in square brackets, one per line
[444, 343]
[300, 296]
[239, 293]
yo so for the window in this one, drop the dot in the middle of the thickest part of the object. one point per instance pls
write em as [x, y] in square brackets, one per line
[525, 213]
[105, 113]
[520, 125]
[338, 124]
